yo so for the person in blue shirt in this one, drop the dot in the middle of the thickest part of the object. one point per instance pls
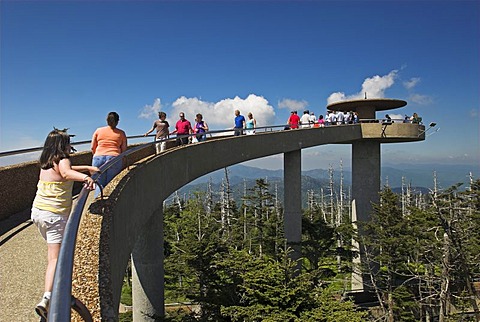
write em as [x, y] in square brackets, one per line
[239, 123]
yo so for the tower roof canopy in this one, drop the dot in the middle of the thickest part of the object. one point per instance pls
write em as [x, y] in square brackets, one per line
[379, 104]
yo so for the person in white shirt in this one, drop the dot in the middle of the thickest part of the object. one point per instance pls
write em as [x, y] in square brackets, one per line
[333, 118]
[313, 119]
[348, 118]
[340, 118]
[305, 119]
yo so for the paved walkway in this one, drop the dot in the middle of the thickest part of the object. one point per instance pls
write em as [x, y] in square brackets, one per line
[23, 259]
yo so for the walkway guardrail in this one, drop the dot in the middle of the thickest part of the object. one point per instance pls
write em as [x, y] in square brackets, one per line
[61, 303]
[173, 138]
[208, 133]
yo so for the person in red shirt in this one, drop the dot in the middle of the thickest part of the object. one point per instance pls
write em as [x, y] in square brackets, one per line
[293, 120]
[183, 128]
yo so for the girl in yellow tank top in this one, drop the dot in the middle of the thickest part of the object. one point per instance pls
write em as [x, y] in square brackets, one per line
[53, 200]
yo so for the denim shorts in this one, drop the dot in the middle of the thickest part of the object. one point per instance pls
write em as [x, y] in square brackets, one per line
[51, 226]
[107, 176]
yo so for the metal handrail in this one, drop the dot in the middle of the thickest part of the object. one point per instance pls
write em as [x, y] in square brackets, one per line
[60, 303]
[75, 143]
[265, 128]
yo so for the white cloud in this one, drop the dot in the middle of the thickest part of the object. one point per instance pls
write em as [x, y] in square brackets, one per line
[410, 84]
[421, 99]
[414, 97]
[336, 97]
[292, 105]
[220, 115]
[374, 87]
[462, 158]
[151, 111]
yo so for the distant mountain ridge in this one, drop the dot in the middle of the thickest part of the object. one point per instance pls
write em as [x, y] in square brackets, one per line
[419, 176]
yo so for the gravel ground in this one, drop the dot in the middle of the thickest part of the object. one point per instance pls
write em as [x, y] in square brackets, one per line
[23, 259]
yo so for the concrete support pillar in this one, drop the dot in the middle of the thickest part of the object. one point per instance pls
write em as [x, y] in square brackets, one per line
[292, 174]
[365, 190]
[147, 271]
[365, 176]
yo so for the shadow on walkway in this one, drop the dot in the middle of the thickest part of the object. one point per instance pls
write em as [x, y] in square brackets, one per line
[23, 260]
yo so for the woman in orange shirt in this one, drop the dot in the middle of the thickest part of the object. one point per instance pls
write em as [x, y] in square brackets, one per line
[107, 143]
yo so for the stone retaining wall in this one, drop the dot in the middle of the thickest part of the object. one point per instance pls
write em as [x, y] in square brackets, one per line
[18, 184]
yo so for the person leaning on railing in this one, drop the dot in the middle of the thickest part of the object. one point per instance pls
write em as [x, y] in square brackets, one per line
[183, 128]
[107, 143]
[199, 129]
[53, 201]
[293, 121]
[250, 124]
[415, 119]
[162, 128]
[239, 123]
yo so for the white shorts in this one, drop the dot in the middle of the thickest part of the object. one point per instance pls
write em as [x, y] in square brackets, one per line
[161, 145]
[51, 226]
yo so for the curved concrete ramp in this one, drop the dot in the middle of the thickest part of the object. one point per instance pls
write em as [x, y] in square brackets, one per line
[111, 227]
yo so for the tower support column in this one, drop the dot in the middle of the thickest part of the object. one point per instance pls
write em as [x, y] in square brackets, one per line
[365, 176]
[292, 175]
[365, 190]
[148, 272]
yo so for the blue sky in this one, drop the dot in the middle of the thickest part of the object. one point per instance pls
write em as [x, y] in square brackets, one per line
[69, 63]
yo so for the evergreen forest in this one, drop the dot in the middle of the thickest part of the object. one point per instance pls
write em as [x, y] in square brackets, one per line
[229, 261]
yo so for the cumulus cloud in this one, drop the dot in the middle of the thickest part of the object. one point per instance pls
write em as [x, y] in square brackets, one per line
[151, 111]
[292, 105]
[420, 99]
[220, 115]
[415, 97]
[374, 87]
[411, 83]
[462, 158]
